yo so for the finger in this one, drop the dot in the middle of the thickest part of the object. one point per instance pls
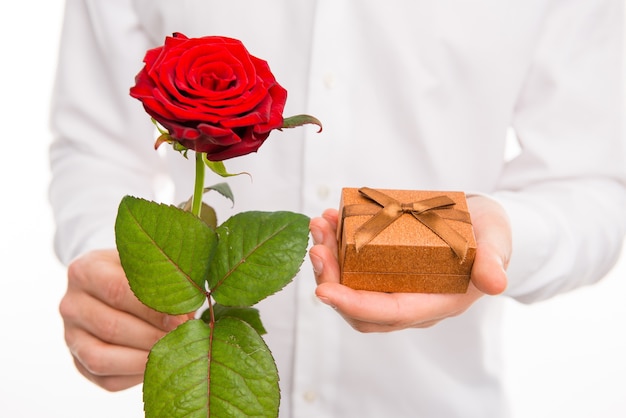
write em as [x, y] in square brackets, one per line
[376, 311]
[110, 383]
[102, 359]
[100, 275]
[488, 271]
[324, 231]
[111, 367]
[323, 254]
[493, 241]
[332, 217]
[325, 264]
[108, 324]
[368, 327]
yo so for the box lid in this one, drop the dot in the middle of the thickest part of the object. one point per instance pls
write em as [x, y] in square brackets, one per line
[406, 245]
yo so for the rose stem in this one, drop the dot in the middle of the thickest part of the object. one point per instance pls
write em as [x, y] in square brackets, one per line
[196, 206]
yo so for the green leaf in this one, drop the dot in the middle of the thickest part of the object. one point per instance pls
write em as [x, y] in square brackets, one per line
[300, 120]
[165, 253]
[243, 375]
[249, 315]
[175, 381]
[196, 372]
[257, 255]
[223, 189]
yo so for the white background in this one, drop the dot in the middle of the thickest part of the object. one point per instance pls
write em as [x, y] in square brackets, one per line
[566, 357]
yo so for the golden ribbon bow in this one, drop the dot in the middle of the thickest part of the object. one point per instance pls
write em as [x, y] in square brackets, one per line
[431, 212]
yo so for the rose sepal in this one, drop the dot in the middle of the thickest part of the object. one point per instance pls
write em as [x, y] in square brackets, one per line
[301, 120]
[219, 168]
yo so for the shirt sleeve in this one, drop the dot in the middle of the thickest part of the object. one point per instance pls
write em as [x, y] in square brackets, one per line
[565, 192]
[101, 147]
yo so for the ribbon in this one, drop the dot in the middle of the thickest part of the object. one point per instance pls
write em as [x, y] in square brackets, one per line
[431, 212]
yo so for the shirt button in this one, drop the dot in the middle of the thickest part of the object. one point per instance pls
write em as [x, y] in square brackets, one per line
[323, 192]
[329, 80]
[310, 396]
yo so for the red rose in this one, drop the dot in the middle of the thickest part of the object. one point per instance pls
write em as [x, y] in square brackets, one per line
[211, 95]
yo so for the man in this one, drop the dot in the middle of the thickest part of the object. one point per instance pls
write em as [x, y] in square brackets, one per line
[413, 95]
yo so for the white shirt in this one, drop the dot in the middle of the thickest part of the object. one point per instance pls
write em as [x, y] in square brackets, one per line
[413, 95]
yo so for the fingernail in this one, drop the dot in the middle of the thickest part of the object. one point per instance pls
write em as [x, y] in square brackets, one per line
[317, 235]
[317, 263]
[325, 300]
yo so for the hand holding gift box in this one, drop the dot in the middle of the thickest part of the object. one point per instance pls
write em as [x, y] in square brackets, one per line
[375, 311]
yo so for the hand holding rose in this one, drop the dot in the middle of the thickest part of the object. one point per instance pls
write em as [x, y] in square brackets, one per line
[108, 331]
[384, 312]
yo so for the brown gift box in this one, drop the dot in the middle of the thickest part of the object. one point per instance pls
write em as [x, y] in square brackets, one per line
[402, 254]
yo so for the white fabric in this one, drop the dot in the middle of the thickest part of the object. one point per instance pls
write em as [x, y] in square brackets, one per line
[413, 94]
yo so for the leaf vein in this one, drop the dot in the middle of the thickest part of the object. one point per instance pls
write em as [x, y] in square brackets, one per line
[248, 254]
[162, 251]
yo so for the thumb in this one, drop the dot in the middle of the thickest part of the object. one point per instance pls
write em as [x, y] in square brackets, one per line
[493, 244]
[488, 272]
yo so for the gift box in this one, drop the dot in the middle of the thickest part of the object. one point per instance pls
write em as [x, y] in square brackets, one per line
[405, 240]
